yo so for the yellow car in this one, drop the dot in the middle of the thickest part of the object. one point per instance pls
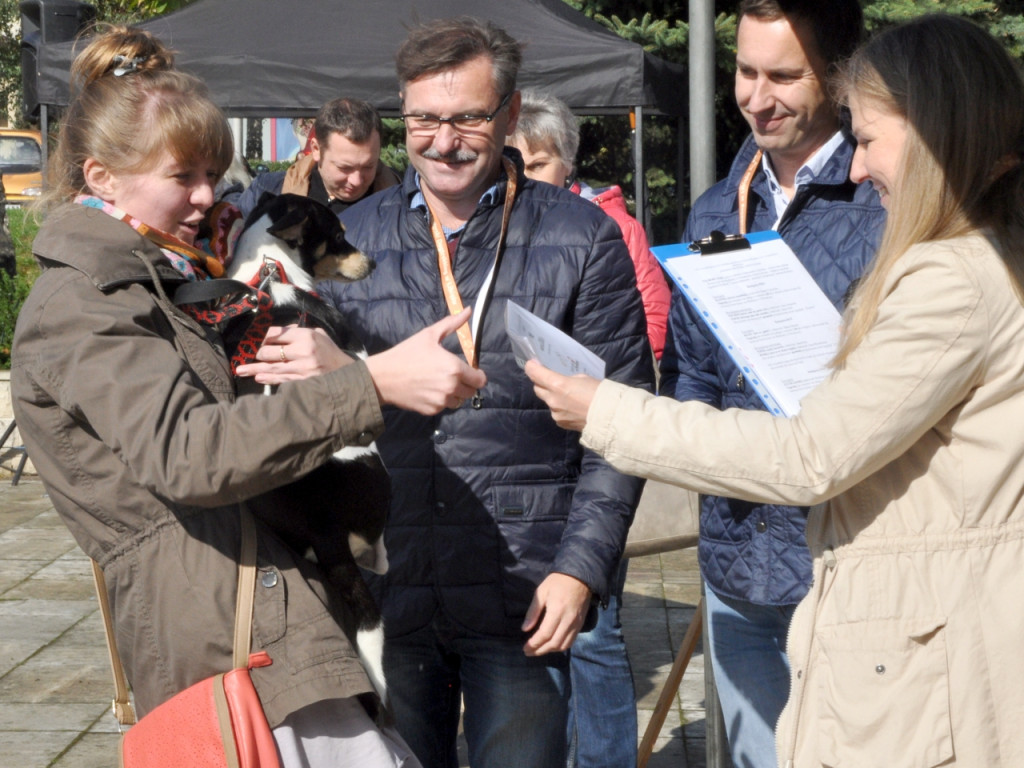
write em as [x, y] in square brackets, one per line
[21, 162]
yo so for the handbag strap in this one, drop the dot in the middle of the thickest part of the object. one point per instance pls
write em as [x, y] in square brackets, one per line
[122, 705]
[123, 710]
[246, 591]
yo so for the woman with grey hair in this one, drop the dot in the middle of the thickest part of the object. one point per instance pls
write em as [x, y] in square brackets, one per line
[548, 137]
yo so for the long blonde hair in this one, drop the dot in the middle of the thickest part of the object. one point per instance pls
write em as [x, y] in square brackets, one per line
[129, 105]
[963, 99]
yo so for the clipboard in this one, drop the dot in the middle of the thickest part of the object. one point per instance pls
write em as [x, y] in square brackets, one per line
[764, 308]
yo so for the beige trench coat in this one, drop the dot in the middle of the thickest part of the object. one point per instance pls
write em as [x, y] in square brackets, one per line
[909, 649]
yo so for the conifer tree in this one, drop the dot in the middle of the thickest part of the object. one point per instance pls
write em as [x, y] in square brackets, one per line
[662, 28]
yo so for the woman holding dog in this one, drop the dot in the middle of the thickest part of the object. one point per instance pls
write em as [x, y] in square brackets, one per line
[906, 651]
[127, 408]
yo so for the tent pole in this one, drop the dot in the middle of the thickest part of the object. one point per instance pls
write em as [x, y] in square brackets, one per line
[638, 168]
[702, 96]
[702, 176]
[43, 130]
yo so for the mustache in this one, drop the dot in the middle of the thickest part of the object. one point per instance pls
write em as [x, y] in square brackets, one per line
[455, 156]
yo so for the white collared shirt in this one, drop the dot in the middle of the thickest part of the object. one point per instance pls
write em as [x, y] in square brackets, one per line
[808, 172]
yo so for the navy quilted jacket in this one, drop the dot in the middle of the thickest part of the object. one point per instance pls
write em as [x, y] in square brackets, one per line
[488, 502]
[757, 552]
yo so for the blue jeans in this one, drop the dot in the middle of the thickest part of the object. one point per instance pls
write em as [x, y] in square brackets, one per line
[748, 655]
[602, 712]
[515, 705]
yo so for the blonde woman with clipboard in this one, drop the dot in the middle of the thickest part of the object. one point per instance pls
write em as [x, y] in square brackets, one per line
[906, 651]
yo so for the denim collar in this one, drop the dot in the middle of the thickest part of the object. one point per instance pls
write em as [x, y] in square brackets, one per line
[491, 196]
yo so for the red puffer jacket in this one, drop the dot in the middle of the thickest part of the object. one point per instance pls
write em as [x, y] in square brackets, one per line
[649, 278]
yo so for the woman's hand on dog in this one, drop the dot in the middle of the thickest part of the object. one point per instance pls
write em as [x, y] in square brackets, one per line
[420, 375]
[292, 353]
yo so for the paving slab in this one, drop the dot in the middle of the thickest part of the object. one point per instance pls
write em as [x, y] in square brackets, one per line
[55, 684]
[33, 749]
[91, 750]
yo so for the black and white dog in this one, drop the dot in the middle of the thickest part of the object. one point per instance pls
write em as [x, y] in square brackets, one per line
[338, 510]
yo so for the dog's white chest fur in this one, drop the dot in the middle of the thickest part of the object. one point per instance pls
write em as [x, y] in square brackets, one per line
[255, 247]
[301, 239]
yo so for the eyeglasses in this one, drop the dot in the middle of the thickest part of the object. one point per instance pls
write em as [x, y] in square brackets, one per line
[426, 125]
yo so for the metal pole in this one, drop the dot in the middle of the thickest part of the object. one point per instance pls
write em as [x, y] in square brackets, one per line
[44, 130]
[681, 208]
[237, 126]
[702, 96]
[702, 176]
[639, 182]
[716, 742]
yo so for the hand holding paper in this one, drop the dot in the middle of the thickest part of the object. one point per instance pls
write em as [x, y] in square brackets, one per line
[568, 397]
[533, 338]
[554, 362]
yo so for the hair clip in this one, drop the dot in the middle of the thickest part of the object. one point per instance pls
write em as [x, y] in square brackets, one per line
[126, 65]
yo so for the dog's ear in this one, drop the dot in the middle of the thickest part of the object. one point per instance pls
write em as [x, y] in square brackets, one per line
[267, 200]
[322, 216]
[291, 226]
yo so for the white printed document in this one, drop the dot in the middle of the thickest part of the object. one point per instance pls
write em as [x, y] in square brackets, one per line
[532, 337]
[766, 310]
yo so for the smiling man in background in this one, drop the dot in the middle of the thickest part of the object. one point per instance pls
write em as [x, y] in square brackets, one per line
[343, 165]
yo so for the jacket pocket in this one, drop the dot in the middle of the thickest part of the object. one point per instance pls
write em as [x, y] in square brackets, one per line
[884, 694]
[531, 518]
[274, 565]
[269, 615]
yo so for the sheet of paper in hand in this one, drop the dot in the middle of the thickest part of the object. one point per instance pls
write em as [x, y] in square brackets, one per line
[532, 337]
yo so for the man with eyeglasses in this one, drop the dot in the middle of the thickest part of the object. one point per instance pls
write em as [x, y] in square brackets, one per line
[503, 530]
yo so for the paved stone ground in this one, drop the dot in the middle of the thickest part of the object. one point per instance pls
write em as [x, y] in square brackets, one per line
[55, 683]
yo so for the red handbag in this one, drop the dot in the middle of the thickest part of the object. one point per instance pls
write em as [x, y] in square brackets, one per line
[216, 723]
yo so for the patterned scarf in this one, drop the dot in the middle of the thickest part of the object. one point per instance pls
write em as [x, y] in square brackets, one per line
[214, 248]
[223, 222]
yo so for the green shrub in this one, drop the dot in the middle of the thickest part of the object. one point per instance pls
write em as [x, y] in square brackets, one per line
[23, 227]
[13, 291]
[272, 165]
[395, 157]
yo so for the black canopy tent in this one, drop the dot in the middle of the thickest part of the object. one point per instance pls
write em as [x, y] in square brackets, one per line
[268, 58]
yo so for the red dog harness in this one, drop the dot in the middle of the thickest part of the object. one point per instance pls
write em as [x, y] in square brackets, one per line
[256, 300]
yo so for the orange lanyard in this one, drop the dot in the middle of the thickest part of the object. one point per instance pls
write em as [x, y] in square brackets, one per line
[743, 193]
[444, 264]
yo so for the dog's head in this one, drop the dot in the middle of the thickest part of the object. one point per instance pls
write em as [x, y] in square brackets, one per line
[313, 233]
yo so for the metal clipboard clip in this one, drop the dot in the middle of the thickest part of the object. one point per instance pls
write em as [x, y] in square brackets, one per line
[719, 242]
